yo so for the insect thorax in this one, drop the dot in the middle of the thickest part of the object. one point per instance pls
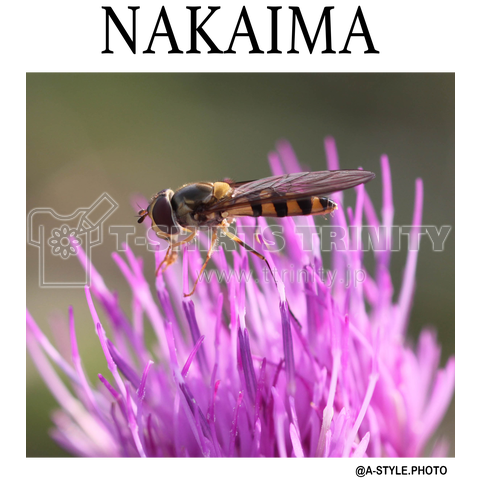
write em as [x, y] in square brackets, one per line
[190, 203]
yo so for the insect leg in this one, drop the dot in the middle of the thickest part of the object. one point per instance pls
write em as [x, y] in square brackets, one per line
[188, 239]
[171, 256]
[259, 255]
[209, 256]
[248, 248]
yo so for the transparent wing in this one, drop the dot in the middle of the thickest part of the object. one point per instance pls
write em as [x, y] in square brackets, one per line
[290, 187]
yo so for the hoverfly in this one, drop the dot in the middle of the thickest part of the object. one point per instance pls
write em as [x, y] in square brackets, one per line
[216, 205]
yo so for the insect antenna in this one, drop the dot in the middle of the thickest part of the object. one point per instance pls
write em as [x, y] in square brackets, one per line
[142, 214]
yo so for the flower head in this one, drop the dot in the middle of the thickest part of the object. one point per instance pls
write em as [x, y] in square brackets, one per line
[231, 373]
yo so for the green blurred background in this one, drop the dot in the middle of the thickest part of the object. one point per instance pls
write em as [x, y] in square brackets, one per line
[139, 133]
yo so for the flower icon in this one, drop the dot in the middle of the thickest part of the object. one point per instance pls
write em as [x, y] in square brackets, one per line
[64, 241]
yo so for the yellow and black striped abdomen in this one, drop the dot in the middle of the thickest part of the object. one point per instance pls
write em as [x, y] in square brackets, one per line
[287, 208]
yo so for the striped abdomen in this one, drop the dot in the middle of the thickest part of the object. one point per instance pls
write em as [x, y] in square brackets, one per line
[284, 208]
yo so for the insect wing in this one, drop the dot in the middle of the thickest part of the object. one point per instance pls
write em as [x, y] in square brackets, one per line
[290, 187]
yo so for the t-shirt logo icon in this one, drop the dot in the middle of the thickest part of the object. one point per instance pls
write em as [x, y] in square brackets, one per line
[59, 237]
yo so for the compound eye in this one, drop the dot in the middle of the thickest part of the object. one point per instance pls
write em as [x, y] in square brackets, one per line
[162, 215]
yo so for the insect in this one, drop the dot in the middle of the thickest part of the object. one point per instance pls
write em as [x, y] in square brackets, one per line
[216, 205]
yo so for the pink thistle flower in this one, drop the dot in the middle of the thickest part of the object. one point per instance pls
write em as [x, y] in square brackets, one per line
[230, 373]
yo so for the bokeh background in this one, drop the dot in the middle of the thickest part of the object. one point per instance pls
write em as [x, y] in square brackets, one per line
[139, 133]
